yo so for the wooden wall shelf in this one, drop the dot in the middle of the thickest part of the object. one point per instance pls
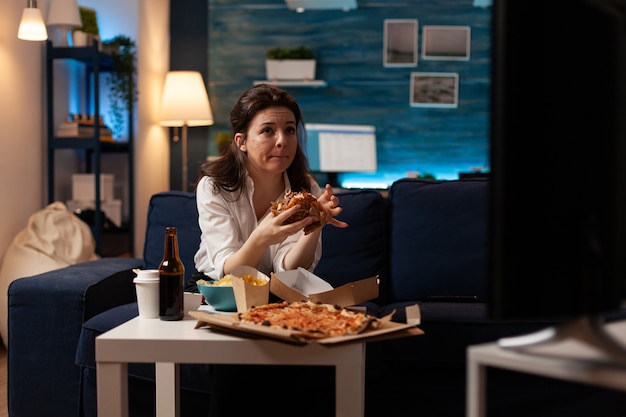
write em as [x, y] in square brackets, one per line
[293, 83]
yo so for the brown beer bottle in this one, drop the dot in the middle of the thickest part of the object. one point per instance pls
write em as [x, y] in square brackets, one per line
[171, 279]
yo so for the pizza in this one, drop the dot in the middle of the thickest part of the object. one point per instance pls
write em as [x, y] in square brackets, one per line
[309, 207]
[309, 319]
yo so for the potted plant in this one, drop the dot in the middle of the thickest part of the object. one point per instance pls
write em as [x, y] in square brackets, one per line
[88, 32]
[122, 79]
[283, 63]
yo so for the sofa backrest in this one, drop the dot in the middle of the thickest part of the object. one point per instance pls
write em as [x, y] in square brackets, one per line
[177, 209]
[426, 240]
[360, 250]
[437, 241]
[350, 254]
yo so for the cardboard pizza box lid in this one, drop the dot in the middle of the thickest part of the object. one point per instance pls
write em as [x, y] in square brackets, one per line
[300, 284]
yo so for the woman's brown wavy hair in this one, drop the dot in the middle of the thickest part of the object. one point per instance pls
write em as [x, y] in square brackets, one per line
[229, 172]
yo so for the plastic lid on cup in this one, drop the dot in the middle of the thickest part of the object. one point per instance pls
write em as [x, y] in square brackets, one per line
[147, 275]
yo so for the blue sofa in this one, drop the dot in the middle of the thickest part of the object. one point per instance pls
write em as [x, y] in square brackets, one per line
[426, 240]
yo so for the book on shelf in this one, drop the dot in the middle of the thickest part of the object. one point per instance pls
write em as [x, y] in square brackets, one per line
[83, 130]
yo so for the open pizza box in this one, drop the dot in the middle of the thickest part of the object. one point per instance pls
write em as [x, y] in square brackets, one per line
[300, 284]
[387, 329]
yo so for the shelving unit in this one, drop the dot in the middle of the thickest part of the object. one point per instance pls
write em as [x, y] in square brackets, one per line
[95, 63]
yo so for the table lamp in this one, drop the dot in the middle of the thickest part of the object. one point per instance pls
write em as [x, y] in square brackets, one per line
[185, 102]
[65, 15]
[32, 26]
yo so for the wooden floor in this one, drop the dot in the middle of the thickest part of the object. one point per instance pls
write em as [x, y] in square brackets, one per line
[4, 411]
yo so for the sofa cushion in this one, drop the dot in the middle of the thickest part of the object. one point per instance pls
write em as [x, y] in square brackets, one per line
[172, 209]
[193, 377]
[437, 244]
[449, 328]
[358, 251]
[86, 348]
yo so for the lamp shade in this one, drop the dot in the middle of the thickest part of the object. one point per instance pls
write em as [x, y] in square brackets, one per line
[64, 13]
[32, 26]
[185, 100]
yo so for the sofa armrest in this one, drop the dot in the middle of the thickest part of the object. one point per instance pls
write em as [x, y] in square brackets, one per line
[45, 316]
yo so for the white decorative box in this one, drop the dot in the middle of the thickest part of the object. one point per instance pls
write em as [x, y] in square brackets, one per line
[112, 209]
[84, 187]
[290, 69]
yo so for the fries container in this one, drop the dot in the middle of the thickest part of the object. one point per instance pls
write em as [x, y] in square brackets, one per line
[246, 294]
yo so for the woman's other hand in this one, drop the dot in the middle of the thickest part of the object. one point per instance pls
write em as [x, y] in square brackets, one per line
[330, 204]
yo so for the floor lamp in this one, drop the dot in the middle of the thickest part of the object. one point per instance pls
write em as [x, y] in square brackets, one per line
[185, 103]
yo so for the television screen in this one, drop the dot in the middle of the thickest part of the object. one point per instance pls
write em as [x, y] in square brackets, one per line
[341, 148]
[557, 238]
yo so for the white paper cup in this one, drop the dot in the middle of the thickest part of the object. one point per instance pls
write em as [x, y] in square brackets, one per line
[147, 287]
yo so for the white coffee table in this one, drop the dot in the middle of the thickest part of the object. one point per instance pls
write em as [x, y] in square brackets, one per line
[168, 344]
[568, 360]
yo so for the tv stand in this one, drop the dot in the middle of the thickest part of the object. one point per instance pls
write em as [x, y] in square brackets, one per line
[567, 360]
[586, 329]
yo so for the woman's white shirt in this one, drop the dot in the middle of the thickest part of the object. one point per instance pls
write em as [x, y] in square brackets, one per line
[227, 222]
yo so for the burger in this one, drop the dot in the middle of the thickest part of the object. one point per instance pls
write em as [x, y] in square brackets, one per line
[309, 207]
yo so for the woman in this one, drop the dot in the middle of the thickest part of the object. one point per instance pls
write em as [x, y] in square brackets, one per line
[234, 195]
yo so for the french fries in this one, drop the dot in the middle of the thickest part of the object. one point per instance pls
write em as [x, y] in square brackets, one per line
[227, 281]
[252, 280]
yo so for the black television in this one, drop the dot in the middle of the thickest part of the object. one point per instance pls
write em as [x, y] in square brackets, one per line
[557, 226]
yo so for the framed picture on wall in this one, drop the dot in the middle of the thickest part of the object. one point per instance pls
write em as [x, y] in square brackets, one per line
[446, 43]
[434, 89]
[400, 43]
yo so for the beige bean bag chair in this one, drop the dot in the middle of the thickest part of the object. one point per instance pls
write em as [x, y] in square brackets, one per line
[54, 238]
